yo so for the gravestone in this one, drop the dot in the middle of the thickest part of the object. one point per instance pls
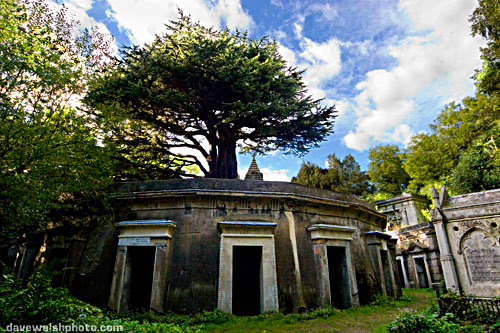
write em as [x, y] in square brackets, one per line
[482, 256]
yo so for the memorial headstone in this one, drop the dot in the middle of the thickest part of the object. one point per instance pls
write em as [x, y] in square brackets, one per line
[482, 257]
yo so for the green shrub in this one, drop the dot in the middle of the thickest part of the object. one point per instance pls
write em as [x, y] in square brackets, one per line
[38, 302]
[412, 321]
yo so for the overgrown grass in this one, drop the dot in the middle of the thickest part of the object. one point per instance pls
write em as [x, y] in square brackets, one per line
[39, 303]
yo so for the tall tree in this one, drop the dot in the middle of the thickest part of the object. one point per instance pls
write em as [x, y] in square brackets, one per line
[478, 168]
[208, 91]
[47, 150]
[486, 23]
[343, 176]
[432, 157]
[386, 169]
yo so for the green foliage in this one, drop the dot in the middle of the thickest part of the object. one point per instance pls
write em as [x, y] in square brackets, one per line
[343, 176]
[486, 23]
[464, 308]
[386, 169]
[478, 169]
[38, 302]
[194, 85]
[434, 158]
[47, 148]
[412, 321]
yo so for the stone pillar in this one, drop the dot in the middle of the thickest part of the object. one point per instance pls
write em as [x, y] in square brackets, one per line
[405, 273]
[378, 241]
[447, 262]
[118, 277]
[159, 278]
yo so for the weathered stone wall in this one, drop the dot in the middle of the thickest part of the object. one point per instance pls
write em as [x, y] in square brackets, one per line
[418, 241]
[197, 205]
[468, 233]
[404, 210]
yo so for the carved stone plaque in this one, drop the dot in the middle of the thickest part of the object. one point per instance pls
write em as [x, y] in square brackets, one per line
[482, 254]
[134, 241]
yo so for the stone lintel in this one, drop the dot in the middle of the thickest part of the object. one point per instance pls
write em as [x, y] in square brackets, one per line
[329, 231]
[146, 228]
[246, 227]
[376, 237]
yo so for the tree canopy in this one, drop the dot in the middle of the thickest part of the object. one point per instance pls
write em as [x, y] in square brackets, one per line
[386, 169]
[343, 176]
[195, 94]
[486, 23]
[47, 150]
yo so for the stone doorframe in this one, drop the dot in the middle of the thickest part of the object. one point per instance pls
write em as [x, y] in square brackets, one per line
[141, 233]
[378, 241]
[426, 267]
[322, 236]
[403, 262]
[247, 233]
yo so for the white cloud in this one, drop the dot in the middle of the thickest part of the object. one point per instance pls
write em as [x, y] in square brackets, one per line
[444, 58]
[340, 106]
[288, 55]
[275, 175]
[322, 61]
[328, 13]
[145, 19]
[82, 4]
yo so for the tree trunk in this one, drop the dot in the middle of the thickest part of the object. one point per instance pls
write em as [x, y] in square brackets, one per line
[226, 165]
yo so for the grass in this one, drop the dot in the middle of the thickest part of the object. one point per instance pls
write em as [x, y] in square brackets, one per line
[367, 318]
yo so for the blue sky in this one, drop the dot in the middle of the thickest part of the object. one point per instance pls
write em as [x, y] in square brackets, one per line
[388, 65]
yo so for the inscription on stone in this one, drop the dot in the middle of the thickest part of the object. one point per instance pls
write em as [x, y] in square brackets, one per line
[134, 241]
[482, 255]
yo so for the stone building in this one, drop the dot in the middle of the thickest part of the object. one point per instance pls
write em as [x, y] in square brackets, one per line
[242, 246]
[247, 247]
[404, 211]
[417, 251]
[468, 234]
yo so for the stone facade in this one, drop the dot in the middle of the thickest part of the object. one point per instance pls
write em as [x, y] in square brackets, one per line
[242, 246]
[279, 246]
[468, 233]
[404, 211]
[417, 251]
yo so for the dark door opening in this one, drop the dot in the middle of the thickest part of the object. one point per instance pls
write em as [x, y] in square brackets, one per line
[401, 274]
[142, 261]
[247, 263]
[387, 272]
[421, 273]
[340, 286]
[57, 258]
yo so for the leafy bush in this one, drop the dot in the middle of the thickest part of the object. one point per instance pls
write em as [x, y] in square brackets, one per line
[38, 302]
[413, 321]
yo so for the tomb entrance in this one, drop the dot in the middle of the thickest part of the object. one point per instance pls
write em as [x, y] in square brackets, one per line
[334, 266]
[140, 273]
[247, 268]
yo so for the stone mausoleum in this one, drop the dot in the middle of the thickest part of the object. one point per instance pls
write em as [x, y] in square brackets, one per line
[242, 246]
[417, 250]
[468, 233]
[246, 247]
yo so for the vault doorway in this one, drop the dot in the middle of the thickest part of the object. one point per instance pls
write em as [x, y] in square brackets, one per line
[421, 272]
[247, 280]
[142, 261]
[339, 277]
[386, 270]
